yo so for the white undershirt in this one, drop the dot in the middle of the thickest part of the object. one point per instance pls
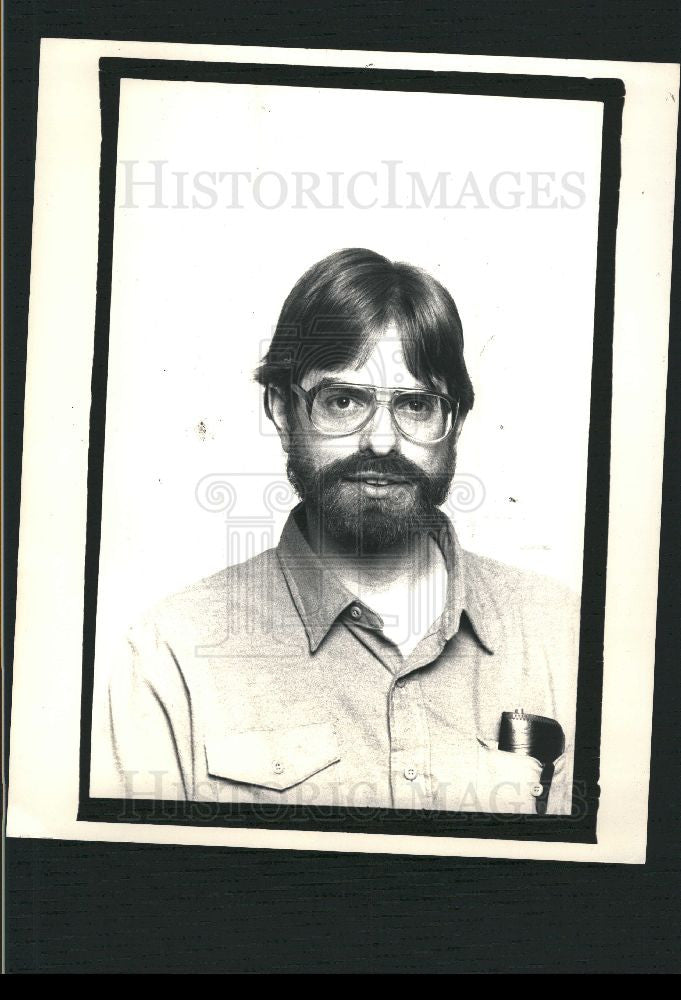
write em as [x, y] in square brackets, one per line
[410, 607]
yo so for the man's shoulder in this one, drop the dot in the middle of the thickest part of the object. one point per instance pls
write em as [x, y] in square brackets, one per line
[522, 610]
[246, 589]
[519, 588]
[251, 569]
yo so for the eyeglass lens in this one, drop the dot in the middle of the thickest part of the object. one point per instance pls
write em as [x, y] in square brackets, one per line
[344, 408]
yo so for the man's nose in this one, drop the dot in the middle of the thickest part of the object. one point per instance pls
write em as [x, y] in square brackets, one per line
[380, 434]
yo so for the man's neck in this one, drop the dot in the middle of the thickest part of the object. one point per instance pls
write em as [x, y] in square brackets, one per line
[412, 559]
[405, 584]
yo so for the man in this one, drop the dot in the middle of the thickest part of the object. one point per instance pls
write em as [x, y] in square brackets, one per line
[367, 660]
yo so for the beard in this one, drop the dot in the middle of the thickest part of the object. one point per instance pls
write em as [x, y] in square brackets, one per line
[370, 524]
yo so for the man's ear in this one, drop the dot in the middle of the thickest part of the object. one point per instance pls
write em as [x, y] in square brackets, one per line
[460, 420]
[277, 404]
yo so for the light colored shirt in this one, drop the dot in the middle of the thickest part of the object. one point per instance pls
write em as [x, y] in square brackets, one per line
[270, 682]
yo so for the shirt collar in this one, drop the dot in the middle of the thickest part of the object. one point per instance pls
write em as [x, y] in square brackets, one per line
[318, 593]
[464, 592]
[320, 596]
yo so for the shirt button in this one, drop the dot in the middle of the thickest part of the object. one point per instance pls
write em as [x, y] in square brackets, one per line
[400, 683]
[410, 773]
[536, 790]
[277, 766]
[356, 612]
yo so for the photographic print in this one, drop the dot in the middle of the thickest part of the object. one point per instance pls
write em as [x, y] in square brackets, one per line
[346, 493]
[351, 652]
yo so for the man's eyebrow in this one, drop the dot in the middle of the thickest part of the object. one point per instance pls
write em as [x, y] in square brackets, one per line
[328, 380]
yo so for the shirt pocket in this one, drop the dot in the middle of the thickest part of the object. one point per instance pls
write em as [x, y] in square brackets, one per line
[506, 782]
[292, 764]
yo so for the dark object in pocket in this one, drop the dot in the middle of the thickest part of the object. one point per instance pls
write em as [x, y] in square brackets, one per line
[538, 737]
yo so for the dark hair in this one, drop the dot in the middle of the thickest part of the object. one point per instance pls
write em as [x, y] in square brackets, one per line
[339, 309]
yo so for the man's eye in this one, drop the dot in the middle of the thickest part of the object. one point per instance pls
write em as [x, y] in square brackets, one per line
[342, 402]
[416, 404]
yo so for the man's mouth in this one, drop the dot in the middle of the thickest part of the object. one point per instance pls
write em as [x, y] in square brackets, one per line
[376, 486]
[375, 479]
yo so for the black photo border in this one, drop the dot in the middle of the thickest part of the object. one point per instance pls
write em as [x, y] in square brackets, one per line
[580, 827]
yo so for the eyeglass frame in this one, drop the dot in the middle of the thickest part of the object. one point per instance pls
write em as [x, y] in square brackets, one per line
[309, 396]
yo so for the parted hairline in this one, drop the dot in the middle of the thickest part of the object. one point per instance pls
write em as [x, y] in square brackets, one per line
[342, 305]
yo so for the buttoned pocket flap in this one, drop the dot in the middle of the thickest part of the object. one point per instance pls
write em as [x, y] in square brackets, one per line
[272, 758]
[506, 782]
[512, 782]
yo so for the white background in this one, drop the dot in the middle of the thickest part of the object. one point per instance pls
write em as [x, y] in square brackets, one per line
[197, 291]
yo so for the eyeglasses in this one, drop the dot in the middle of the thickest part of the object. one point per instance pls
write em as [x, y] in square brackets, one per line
[340, 408]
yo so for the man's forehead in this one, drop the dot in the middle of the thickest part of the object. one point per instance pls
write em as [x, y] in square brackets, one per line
[385, 365]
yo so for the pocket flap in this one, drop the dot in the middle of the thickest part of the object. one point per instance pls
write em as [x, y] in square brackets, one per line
[512, 782]
[272, 758]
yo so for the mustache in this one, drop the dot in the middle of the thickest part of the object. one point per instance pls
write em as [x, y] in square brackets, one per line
[357, 465]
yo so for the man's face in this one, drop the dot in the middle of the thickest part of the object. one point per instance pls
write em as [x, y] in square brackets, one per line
[339, 478]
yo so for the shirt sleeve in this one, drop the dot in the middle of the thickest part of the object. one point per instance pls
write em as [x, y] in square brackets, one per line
[141, 740]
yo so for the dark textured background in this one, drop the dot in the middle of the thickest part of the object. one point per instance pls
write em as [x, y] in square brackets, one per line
[93, 908]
